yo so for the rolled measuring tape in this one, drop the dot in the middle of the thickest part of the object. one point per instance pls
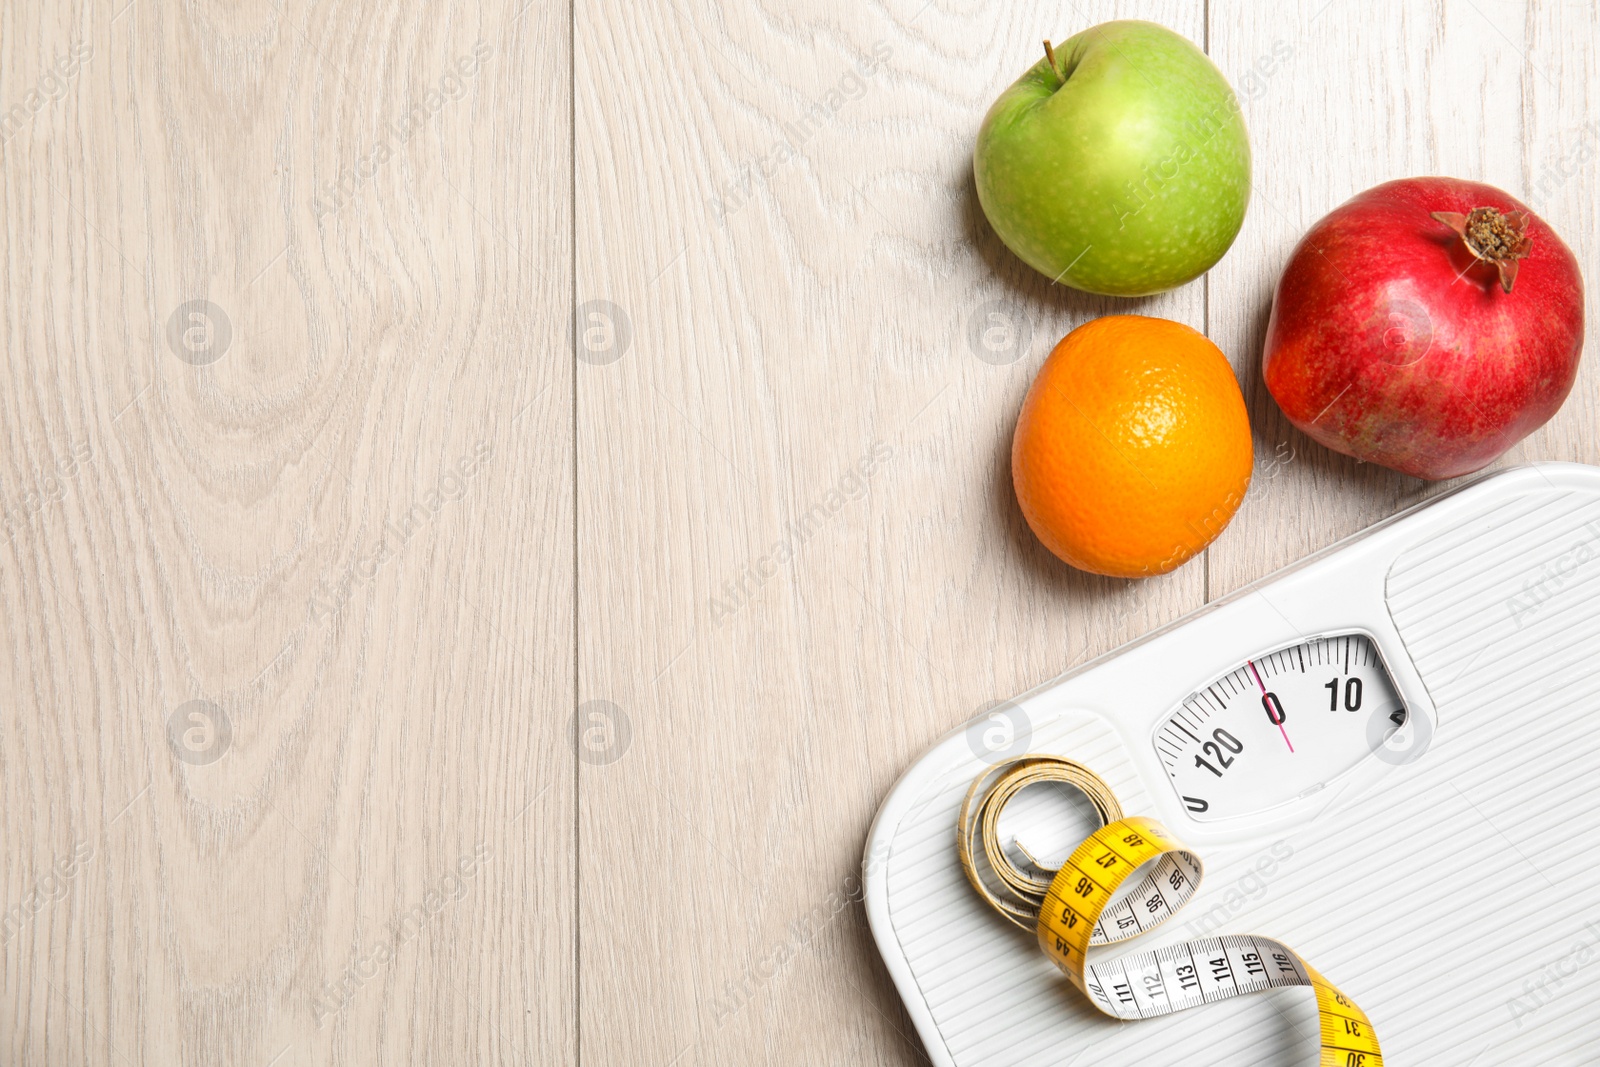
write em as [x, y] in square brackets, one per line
[1078, 906]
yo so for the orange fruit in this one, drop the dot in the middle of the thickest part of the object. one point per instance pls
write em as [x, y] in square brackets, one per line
[1133, 448]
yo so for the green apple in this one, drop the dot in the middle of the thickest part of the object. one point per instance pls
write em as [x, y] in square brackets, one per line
[1119, 164]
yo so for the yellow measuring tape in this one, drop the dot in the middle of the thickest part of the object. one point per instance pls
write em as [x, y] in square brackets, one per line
[1078, 907]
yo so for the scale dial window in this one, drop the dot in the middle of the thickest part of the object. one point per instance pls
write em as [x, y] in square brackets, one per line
[1278, 726]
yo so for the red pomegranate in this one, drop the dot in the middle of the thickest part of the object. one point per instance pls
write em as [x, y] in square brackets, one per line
[1428, 325]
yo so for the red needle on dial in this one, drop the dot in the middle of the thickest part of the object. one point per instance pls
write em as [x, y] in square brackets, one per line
[1279, 720]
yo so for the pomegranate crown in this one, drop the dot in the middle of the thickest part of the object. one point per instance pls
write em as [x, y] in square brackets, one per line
[1493, 237]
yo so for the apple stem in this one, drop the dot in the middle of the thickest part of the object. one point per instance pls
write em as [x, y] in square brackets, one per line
[1050, 57]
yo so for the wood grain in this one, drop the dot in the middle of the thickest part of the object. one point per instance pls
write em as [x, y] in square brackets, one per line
[1476, 89]
[337, 508]
[600, 495]
[802, 268]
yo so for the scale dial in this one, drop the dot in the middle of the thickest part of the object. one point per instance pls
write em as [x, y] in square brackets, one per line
[1279, 726]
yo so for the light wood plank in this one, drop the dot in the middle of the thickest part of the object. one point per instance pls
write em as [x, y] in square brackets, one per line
[1473, 89]
[782, 328]
[1559, 137]
[288, 532]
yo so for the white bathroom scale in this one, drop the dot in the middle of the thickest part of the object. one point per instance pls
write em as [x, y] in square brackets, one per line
[1387, 756]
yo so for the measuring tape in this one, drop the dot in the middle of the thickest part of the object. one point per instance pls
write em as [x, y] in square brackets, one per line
[1078, 907]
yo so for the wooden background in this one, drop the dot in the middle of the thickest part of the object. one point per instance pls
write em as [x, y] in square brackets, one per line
[525, 343]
